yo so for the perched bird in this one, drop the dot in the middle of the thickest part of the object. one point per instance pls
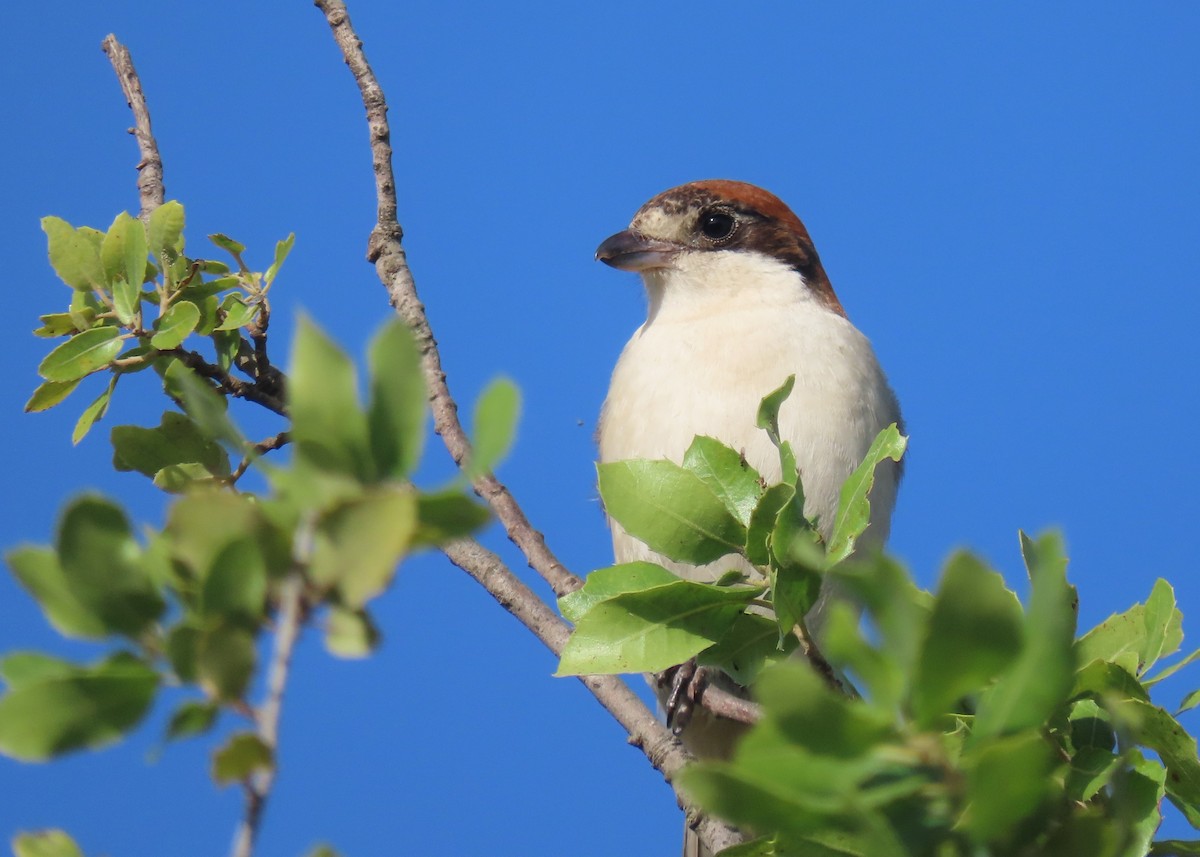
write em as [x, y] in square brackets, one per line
[738, 301]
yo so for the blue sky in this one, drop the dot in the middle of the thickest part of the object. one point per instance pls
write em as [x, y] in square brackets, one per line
[1007, 201]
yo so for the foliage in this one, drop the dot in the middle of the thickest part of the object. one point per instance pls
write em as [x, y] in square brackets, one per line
[191, 604]
[975, 725]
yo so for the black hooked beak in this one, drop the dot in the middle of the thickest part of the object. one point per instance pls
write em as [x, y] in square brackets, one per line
[632, 251]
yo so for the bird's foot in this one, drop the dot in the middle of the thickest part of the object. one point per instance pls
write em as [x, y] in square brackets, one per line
[686, 682]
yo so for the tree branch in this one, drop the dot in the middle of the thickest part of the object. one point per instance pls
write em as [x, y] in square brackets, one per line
[646, 731]
[274, 442]
[385, 250]
[229, 384]
[287, 632]
[150, 167]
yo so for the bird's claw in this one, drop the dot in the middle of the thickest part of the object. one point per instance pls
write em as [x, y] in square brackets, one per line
[686, 681]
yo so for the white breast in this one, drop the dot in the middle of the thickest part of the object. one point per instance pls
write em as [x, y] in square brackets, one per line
[705, 358]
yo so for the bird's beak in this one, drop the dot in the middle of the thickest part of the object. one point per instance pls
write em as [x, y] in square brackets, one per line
[632, 251]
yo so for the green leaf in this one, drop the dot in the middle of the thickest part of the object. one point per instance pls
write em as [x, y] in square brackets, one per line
[64, 323]
[652, 629]
[242, 756]
[190, 719]
[738, 485]
[797, 563]
[1105, 678]
[1090, 726]
[1006, 782]
[328, 426]
[670, 509]
[1176, 848]
[224, 661]
[181, 478]
[1167, 672]
[164, 229]
[605, 583]
[899, 610]
[802, 709]
[749, 646]
[350, 633]
[235, 587]
[854, 505]
[234, 248]
[1189, 702]
[1137, 793]
[182, 642]
[446, 516]
[203, 404]
[175, 325]
[74, 254]
[92, 413]
[1041, 678]
[1116, 635]
[1092, 768]
[763, 519]
[237, 312]
[396, 413]
[48, 394]
[123, 259]
[768, 420]
[21, 668]
[845, 647]
[1153, 727]
[974, 634]
[39, 572]
[1163, 623]
[208, 311]
[494, 426]
[201, 524]
[176, 440]
[82, 354]
[45, 843]
[100, 565]
[75, 707]
[358, 544]
[226, 344]
[282, 249]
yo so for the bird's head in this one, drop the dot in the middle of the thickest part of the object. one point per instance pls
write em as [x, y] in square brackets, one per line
[720, 239]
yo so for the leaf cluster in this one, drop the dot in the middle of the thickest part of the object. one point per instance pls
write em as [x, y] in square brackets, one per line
[638, 617]
[136, 297]
[189, 604]
[966, 723]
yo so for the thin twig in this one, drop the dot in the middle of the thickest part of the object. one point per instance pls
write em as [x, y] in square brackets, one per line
[385, 250]
[261, 448]
[150, 167]
[287, 632]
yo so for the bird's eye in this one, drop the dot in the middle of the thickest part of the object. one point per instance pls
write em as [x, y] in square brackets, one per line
[717, 225]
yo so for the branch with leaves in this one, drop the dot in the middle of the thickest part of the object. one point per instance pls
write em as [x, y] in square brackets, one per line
[956, 723]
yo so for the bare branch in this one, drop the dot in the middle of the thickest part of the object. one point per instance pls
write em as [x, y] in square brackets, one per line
[150, 167]
[728, 705]
[385, 250]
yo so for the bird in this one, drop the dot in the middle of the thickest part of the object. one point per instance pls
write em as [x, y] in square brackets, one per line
[737, 301]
